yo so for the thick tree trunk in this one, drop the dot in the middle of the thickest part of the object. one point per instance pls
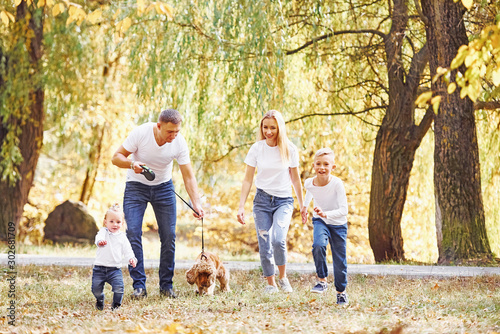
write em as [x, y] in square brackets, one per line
[14, 196]
[460, 222]
[397, 141]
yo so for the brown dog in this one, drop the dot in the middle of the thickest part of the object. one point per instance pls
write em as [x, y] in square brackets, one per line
[207, 268]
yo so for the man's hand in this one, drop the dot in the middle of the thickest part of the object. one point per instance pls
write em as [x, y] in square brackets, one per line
[133, 262]
[198, 212]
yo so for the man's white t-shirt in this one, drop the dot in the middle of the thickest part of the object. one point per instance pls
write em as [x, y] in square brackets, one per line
[143, 146]
[272, 175]
[331, 198]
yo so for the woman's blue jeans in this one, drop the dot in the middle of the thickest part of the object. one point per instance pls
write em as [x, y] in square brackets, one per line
[272, 216]
[112, 276]
[336, 235]
[162, 199]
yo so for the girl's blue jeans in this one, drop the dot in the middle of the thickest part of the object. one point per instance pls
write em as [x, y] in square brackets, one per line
[162, 199]
[336, 235]
[112, 276]
[272, 216]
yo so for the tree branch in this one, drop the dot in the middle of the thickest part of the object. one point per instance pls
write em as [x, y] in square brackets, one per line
[491, 105]
[335, 114]
[425, 124]
[335, 33]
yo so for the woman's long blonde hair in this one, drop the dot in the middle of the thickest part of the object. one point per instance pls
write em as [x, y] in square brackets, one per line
[282, 137]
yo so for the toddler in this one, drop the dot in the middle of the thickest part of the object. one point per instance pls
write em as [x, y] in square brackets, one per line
[112, 246]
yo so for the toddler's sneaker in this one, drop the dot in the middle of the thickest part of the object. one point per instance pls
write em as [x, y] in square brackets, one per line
[270, 289]
[99, 305]
[342, 298]
[320, 287]
[285, 284]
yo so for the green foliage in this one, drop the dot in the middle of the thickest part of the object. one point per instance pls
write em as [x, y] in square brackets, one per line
[18, 76]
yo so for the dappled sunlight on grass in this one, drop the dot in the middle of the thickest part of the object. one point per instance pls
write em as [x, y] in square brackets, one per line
[59, 300]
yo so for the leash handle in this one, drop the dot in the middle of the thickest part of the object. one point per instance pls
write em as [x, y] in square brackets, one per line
[202, 238]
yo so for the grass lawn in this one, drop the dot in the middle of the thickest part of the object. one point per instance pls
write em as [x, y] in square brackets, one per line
[58, 300]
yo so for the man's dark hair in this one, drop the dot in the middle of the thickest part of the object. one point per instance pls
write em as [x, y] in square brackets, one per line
[170, 116]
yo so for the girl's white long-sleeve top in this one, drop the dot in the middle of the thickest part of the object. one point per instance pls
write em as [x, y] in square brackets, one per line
[117, 248]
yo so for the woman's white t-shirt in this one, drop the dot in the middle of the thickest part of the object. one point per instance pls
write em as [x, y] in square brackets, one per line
[272, 175]
[142, 144]
[330, 198]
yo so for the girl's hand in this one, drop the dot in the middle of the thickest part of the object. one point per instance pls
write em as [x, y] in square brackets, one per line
[304, 214]
[133, 262]
[319, 212]
[102, 243]
[241, 216]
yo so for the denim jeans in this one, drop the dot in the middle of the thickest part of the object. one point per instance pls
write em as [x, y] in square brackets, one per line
[162, 199]
[112, 276]
[272, 216]
[337, 236]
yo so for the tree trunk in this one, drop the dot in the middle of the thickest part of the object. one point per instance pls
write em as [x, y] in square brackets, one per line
[397, 141]
[94, 159]
[14, 196]
[460, 222]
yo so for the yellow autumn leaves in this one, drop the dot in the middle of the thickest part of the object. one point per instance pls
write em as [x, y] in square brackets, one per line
[77, 14]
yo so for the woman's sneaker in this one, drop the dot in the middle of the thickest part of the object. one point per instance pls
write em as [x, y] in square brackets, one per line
[342, 298]
[320, 287]
[270, 289]
[285, 284]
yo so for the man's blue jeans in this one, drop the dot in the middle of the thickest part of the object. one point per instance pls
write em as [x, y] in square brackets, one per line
[272, 216]
[111, 275]
[162, 199]
[336, 235]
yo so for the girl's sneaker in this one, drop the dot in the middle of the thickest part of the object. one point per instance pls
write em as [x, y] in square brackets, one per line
[270, 289]
[284, 284]
[320, 287]
[342, 298]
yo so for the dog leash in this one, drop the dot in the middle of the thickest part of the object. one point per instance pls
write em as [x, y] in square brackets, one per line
[202, 238]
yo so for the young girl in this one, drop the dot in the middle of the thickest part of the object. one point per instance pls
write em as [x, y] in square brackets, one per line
[276, 160]
[112, 246]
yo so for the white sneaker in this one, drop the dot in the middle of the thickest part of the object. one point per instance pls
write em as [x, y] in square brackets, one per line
[285, 284]
[270, 289]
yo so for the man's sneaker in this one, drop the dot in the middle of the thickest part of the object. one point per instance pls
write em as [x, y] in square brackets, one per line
[284, 284]
[169, 293]
[320, 287]
[342, 298]
[270, 289]
[139, 293]
[115, 306]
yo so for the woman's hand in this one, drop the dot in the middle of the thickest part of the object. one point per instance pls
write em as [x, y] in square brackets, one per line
[241, 216]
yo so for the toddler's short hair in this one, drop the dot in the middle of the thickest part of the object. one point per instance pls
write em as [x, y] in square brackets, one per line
[325, 151]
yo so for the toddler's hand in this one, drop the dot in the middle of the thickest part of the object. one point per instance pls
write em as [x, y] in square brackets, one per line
[133, 262]
[102, 243]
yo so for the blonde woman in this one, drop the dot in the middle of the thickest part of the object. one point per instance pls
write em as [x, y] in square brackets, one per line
[276, 160]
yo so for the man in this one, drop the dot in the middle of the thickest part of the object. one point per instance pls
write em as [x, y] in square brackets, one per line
[155, 145]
